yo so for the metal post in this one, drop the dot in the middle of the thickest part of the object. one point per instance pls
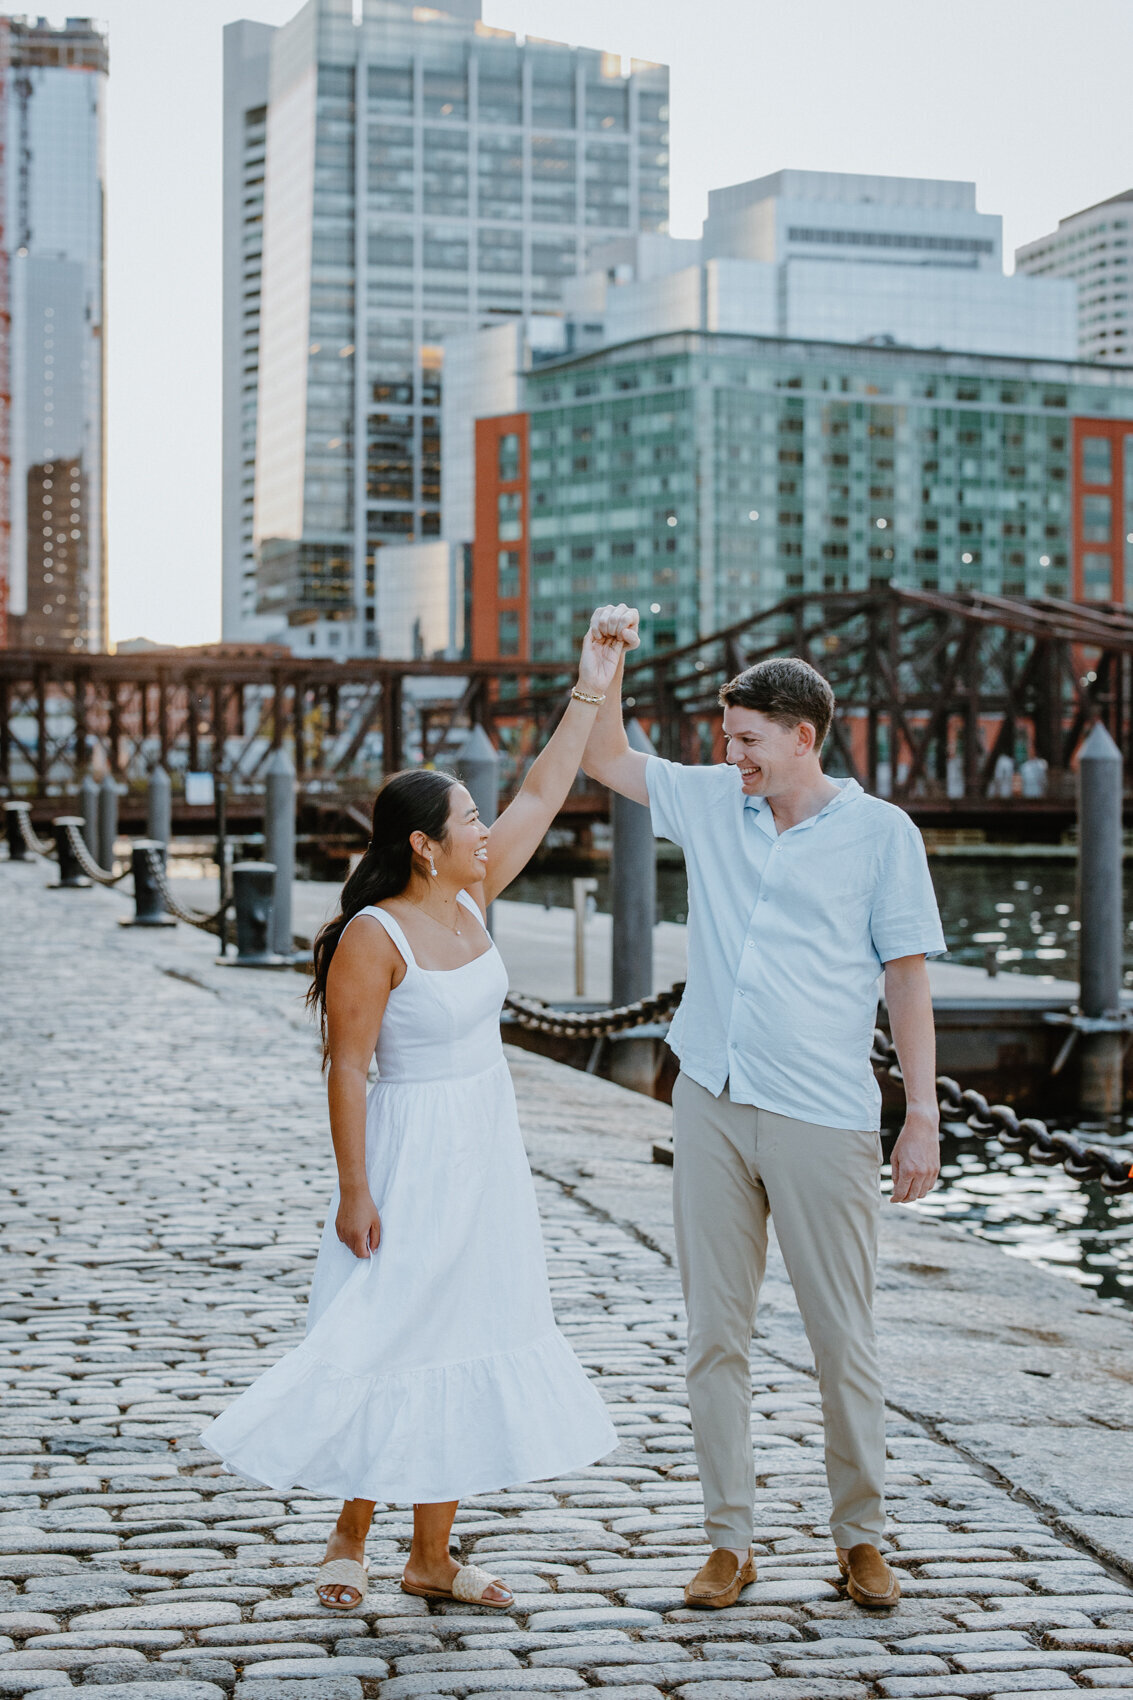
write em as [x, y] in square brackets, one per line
[17, 849]
[149, 905]
[220, 797]
[633, 870]
[1100, 782]
[478, 768]
[253, 890]
[580, 890]
[159, 806]
[279, 827]
[107, 822]
[71, 876]
[88, 808]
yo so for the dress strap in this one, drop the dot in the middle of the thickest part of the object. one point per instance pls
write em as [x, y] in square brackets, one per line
[466, 901]
[393, 928]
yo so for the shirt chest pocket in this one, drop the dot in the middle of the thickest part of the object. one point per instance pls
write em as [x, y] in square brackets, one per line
[836, 897]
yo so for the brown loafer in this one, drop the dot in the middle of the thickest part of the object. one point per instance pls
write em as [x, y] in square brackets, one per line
[869, 1580]
[718, 1583]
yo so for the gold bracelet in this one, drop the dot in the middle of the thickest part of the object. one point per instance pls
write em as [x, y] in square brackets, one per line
[585, 696]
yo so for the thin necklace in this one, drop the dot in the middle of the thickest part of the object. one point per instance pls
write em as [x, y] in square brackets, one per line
[445, 924]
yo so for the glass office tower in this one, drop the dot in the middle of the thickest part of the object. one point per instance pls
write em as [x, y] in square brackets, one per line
[704, 477]
[53, 83]
[423, 174]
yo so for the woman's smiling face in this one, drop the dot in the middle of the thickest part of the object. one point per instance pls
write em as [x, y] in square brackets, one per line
[464, 854]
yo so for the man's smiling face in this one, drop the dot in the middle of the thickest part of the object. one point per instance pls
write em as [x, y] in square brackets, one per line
[765, 751]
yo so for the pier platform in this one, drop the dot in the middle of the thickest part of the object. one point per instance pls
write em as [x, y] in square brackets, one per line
[166, 1168]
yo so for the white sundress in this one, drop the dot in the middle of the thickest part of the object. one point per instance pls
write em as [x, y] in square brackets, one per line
[433, 1369]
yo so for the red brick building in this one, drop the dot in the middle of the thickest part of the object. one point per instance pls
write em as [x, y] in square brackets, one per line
[1101, 549]
[501, 600]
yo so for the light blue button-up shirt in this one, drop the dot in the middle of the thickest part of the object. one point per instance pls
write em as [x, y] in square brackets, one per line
[787, 936]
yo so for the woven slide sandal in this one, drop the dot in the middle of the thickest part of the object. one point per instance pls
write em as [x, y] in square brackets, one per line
[343, 1573]
[470, 1584]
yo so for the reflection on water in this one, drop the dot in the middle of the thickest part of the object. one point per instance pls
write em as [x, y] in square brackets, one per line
[1024, 911]
[1069, 1226]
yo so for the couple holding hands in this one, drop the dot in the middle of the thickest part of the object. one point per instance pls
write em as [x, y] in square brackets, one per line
[432, 1368]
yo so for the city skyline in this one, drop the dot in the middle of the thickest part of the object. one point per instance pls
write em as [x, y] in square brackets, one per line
[881, 93]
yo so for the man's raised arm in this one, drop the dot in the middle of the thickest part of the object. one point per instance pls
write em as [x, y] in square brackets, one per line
[608, 757]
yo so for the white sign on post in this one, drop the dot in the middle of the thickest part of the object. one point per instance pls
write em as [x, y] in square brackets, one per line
[199, 791]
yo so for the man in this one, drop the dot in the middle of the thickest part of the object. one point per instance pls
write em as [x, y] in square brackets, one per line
[802, 890]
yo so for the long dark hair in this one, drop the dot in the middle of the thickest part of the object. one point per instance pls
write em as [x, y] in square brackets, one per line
[415, 801]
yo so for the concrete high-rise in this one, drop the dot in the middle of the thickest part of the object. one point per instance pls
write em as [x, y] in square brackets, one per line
[420, 174]
[833, 256]
[53, 95]
[1094, 248]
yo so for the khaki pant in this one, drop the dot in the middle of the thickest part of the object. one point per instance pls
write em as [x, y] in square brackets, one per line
[733, 1165]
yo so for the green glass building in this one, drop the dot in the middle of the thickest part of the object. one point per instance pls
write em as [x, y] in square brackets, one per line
[705, 476]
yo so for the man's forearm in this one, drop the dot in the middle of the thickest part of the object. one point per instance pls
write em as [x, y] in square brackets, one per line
[608, 738]
[909, 1001]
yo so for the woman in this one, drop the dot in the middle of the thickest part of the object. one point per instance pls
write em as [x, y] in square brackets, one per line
[432, 1367]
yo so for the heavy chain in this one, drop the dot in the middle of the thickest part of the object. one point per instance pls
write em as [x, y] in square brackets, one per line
[27, 833]
[192, 917]
[87, 862]
[597, 1024]
[1114, 1168]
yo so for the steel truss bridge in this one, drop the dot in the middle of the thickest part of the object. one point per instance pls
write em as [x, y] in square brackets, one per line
[932, 690]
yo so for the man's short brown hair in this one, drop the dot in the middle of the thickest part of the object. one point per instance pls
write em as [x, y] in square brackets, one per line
[786, 689]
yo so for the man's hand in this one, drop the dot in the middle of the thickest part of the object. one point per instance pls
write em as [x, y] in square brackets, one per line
[916, 1158]
[613, 630]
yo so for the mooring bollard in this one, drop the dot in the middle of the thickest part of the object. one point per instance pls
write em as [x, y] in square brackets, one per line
[581, 891]
[88, 808]
[149, 904]
[71, 875]
[253, 892]
[478, 768]
[107, 822]
[159, 806]
[1100, 784]
[17, 849]
[279, 831]
[633, 869]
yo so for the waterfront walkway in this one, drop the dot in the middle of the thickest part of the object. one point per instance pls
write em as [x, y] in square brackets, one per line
[165, 1166]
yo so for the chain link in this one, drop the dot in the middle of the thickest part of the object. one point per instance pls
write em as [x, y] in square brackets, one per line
[87, 862]
[536, 1017]
[27, 833]
[1113, 1167]
[192, 917]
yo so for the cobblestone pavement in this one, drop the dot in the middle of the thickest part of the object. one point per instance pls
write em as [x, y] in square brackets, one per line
[164, 1168]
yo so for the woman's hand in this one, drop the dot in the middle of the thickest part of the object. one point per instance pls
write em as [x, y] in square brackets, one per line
[358, 1224]
[612, 631]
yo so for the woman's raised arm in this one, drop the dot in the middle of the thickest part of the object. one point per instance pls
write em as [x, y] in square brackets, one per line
[521, 828]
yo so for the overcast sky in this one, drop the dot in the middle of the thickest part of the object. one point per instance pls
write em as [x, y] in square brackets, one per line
[1028, 98]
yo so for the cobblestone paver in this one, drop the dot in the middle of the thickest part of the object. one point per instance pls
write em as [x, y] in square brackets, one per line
[163, 1168]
